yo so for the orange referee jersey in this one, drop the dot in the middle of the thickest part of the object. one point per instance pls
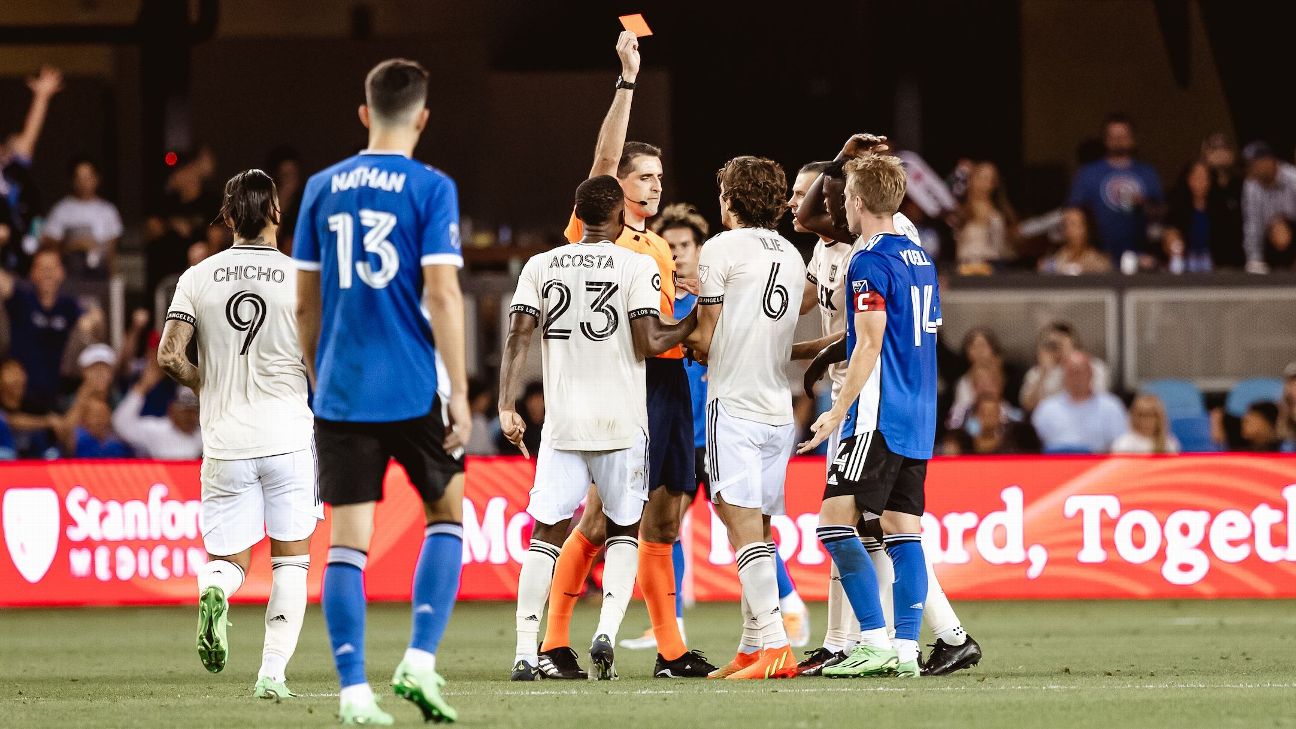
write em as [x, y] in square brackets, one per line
[651, 244]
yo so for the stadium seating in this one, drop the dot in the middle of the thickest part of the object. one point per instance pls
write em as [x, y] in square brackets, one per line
[1194, 433]
[1181, 398]
[1246, 392]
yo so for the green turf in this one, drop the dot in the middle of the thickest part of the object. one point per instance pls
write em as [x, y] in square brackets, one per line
[1092, 664]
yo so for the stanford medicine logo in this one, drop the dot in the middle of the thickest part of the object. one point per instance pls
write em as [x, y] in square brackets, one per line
[31, 530]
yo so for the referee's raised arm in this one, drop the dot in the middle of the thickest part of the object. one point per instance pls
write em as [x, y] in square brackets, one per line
[612, 135]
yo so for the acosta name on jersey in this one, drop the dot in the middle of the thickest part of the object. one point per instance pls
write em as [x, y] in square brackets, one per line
[579, 260]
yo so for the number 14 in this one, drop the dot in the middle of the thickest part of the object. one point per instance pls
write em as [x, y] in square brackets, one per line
[922, 304]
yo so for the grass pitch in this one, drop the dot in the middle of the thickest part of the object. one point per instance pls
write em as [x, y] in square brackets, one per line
[1048, 664]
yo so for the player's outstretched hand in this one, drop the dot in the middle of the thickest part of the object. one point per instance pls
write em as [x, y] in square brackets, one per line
[513, 427]
[819, 432]
[865, 144]
[628, 51]
[459, 429]
[690, 284]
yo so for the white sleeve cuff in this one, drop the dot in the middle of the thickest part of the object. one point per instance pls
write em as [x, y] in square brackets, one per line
[442, 259]
[307, 265]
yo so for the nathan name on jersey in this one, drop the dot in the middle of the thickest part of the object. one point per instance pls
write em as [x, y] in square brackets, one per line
[369, 225]
[891, 274]
[584, 296]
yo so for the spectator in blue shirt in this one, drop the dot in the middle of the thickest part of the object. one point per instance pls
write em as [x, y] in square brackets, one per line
[1120, 192]
[8, 450]
[91, 434]
[41, 318]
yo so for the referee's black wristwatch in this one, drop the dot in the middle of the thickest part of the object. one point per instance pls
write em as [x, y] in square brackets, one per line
[623, 84]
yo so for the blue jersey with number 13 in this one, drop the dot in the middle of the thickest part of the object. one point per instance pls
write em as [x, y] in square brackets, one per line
[368, 225]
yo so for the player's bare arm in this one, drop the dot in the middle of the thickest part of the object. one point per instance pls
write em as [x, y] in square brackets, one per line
[871, 326]
[516, 346]
[444, 301]
[827, 357]
[308, 318]
[812, 214]
[652, 336]
[708, 315]
[171, 355]
[812, 347]
[612, 135]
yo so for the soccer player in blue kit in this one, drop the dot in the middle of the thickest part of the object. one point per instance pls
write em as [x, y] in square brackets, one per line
[886, 418]
[378, 257]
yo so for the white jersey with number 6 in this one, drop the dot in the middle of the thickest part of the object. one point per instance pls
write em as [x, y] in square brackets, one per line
[753, 272]
[242, 303]
[584, 296]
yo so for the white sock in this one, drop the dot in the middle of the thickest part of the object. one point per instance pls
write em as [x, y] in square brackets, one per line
[533, 590]
[759, 578]
[620, 567]
[938, 612]
[284, 613]
[953, 636]
[358, 694]
[792, 603]
[875, 637]
[680, 622]
[220, 573]
[750, 641]
[885, 579]
[419, 660]
[841, 621]
[906, 650]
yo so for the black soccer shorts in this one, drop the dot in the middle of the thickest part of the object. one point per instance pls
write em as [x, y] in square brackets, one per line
[353, 457]
[879, 479]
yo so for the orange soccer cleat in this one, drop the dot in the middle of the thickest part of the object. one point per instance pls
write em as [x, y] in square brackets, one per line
[770, 663]
[740, 661]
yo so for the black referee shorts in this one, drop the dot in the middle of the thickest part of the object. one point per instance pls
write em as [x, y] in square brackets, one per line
[879, 479]
[353, 457]
[670, 427]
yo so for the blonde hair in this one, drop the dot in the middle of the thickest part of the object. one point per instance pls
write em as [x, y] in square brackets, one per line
[1161, 434]
[879, 180]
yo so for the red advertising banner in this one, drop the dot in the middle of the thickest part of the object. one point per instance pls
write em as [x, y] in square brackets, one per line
[129, 532]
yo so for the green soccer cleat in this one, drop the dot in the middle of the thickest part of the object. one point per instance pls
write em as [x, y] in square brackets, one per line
[423, 689]
[268, 688]
[865, 660]
[908, 669]
[213, 623]
[367, 714]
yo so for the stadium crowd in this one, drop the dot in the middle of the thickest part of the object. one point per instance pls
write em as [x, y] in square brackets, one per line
[65, 392]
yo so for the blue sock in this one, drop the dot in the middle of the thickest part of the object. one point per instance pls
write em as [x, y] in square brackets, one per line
[910, 589]
[436, 583]
[343, 601]
[677, 559]
[784, 579]
[857, 576]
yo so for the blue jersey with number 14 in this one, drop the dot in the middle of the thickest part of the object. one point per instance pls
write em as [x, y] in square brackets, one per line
[368, 225]
[891, 273]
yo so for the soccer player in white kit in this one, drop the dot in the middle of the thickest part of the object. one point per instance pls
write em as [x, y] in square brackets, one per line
[596, 304]
[258, 471]
[746, 324]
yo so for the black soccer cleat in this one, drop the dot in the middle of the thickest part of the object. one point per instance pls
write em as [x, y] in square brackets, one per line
[523, 671]
[561, 663]
[601, 655]
[945, 659]
[690, 665]
[817, 660]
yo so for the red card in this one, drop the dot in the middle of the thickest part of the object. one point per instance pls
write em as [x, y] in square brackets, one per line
[636, 24]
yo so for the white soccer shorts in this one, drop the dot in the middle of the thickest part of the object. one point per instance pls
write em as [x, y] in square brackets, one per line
[563, 477]
[245, 500]
[747, 461]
